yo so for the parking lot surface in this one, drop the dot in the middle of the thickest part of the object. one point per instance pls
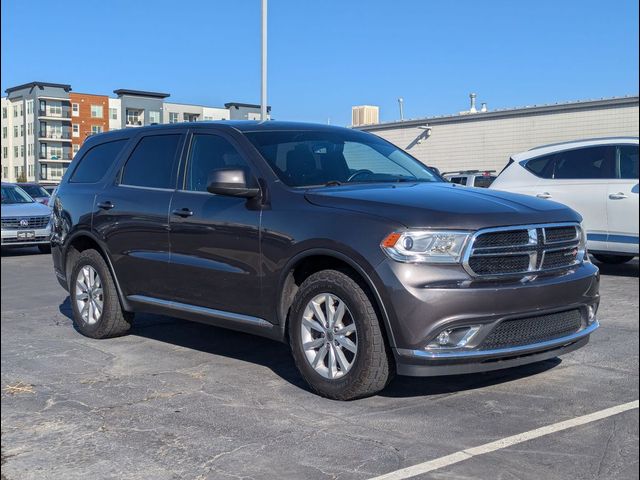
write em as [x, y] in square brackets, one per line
[180, 400]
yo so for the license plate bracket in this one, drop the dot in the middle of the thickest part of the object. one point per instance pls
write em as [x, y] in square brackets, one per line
[27, 235]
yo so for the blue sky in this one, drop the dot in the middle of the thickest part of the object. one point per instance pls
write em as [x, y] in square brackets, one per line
[327, 55]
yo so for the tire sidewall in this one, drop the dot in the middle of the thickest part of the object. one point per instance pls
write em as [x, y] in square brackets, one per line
[359, 312]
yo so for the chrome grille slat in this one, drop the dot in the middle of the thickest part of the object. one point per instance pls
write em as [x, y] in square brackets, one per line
[527, 250]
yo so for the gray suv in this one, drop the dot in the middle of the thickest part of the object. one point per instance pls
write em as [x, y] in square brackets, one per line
[335, 241]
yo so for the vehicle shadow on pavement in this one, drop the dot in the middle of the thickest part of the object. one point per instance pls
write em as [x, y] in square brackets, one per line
[277, 357]
[630, 269]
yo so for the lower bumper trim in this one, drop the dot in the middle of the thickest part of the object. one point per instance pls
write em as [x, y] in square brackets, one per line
[481, 354]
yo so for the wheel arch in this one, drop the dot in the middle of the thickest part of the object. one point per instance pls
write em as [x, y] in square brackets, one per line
[311, 261]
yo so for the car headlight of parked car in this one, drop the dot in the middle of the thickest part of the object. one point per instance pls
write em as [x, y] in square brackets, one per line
[426, 246]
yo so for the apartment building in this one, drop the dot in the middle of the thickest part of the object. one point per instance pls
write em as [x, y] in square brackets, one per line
[36, 132]
[44, 124]
[89, 116]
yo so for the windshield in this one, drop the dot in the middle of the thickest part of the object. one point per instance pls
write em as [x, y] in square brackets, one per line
[35, 190]
[310, 158]
[12, 194]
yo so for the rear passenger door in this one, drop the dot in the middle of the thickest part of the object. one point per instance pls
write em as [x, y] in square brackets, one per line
[580, 180]
[622, 202]
[131, 215]
[215, 245]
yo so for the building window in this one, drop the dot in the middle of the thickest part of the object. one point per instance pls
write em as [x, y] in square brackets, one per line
[22, 151]
[5, 172]
[154, 116]
[20, 111]
[22, 130]
[113, 113]
[55, 111]
[30, 106]
[15, 152]
[15, 131]
[30, 149]
[75, 128]
[96, 111]
[4, 112]
[134, 117]
[76, 147]
[75, 109]
[30, 169]
[5, 152]
[173, 117]
[16, 172]
[44, 171]
[15, 111]
[96, 129]
[29, 128]
[4, 132]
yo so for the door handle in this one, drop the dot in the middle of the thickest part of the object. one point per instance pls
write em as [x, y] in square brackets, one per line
[106, 205]
[544, 195]
[182, 212]
[617, 196]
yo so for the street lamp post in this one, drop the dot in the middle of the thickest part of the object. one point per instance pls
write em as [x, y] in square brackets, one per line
[263, 93]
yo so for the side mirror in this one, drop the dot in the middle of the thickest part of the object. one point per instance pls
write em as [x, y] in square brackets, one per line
[231, 182]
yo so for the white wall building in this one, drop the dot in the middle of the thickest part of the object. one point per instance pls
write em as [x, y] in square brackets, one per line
[485, 140]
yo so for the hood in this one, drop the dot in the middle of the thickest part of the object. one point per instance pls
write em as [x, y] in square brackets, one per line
[442, 205]
[34, 209]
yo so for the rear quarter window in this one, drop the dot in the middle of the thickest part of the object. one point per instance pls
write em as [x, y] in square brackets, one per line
[94, 164]
[541, 167]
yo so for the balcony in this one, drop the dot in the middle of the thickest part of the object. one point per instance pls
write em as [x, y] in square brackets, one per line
[55, 135]
[64, 115]
[66, 156]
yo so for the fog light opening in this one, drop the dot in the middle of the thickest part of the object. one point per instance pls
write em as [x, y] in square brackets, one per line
[592, 310]
[457, 337]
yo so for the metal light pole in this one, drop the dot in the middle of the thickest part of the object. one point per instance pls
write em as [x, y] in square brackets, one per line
[263, 93]
[401, 106]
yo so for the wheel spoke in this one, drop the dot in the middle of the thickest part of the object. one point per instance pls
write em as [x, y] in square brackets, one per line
[342, 360]
[318, 342]
[317, 311]
[348, 344]
[84, 296]
[328, 306]
[97, 307]
[339, 313]
[85, 311]
[332, 361]
[313, 324]
[348, 330]
[319, 356]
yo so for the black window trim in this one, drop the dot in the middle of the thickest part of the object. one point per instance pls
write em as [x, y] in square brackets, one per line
[618, 171]
[525, 163]
[176, 160]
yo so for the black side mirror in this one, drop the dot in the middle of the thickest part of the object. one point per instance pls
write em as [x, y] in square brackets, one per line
[232, 182]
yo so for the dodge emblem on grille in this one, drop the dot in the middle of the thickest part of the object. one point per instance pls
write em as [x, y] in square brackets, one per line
[24, 223]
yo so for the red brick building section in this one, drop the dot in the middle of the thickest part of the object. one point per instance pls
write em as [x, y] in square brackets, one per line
[89, 115]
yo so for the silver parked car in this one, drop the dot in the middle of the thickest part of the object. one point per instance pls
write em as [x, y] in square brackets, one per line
[24, 221]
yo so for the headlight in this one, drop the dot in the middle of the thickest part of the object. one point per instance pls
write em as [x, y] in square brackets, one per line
[426, 246]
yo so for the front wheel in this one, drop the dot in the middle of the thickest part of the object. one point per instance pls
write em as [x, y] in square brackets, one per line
[336, 338]
[613, 259]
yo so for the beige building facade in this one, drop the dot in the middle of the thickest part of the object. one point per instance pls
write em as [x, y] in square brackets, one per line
[486, 140]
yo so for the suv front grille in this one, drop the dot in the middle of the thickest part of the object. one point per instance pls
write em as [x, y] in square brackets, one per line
[526, 331]
[524, 250]
[16, 223]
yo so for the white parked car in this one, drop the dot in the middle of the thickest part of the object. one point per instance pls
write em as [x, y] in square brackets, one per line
[598, 178]
[471, 178]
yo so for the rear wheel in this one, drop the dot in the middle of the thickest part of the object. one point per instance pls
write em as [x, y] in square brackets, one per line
[336, 338]
[613, 259]
[97, 312]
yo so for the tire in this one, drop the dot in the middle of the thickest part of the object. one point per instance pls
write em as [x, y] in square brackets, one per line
[44, 248]
[613, 259]
[369, 369]
[112, 321]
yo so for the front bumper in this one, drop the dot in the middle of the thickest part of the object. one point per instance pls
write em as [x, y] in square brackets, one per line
[10, 238]
[422, 301]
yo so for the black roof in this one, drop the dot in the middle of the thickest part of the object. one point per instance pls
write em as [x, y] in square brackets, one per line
[64, 86]
[140, 93]
[236, 105]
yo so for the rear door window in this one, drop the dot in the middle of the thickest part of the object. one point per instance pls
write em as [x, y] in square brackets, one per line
[95, 163]
[483, 182]
[585, 163]
[628, 162]
[458, 180]
[152, 163]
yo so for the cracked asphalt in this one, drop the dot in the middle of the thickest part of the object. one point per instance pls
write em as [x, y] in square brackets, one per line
[180, 400]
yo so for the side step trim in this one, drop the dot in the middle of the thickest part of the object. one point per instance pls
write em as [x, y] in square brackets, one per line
[233, 318]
